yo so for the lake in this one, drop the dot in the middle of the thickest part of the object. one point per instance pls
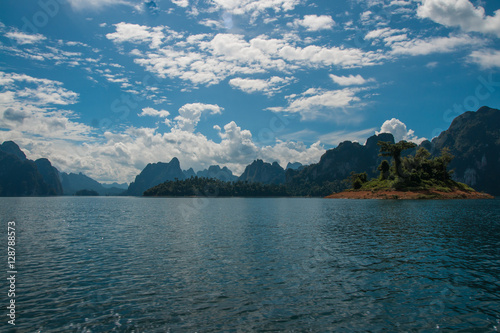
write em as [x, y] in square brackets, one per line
[131, 264]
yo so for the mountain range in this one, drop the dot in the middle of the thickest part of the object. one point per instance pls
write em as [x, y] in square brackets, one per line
[473, 138]
[20, 176]
[156, 173]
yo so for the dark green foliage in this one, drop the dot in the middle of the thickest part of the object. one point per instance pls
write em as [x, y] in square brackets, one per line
[197, 186]
[394, 150]
[414, 172]
[358, 179]
[422, 167]
[384, 169]
[87, 193]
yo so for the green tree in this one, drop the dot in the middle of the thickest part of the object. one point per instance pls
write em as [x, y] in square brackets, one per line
[358, 179]
[440, 165]
[394, 150]
[384, 169]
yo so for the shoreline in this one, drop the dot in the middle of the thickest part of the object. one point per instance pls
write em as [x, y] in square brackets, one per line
[410, 195]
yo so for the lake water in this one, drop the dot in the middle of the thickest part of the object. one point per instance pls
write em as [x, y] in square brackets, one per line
[243, 265]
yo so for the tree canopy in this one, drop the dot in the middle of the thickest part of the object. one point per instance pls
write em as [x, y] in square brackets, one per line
[418, 171]
[209, 187]
[394, 150]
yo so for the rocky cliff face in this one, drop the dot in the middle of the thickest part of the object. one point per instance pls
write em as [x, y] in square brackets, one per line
[155, 174]
[266, 173]
[50, 175]
[10, 147]
[189, 173]
[215, 172]
[18, 175]
[293, 166]
[338, 163]
[474, 139]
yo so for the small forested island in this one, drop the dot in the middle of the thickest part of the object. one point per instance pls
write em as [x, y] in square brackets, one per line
[86, 193]
[410, 177]
[210, 187]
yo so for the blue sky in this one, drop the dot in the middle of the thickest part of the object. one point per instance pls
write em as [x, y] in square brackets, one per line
[104, 87]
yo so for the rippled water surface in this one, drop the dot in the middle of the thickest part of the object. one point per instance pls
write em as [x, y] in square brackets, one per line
[209, 265]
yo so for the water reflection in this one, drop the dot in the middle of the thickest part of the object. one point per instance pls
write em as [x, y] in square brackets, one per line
[135, 264]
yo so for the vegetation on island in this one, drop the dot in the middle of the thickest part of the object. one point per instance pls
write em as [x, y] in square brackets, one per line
[210, 187]
[86, 193]
[420, 173]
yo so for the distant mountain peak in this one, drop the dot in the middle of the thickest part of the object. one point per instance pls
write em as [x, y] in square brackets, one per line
[215, 172]
[293, 166]
[260, 172]
[154, 174]
[10, 147]
[484, 109]
[175, 161]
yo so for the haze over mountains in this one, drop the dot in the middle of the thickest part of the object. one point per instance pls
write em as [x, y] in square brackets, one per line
[473, 138]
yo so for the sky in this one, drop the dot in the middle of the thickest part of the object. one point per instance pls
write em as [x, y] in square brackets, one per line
[105, 87]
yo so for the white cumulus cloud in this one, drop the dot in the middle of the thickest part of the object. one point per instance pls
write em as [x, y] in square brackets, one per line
[190, 115]
[30, 107]
[399, 130]
[350, 80]
[431, 45]
[325, 104]
[486, 58]
[460, 13]
[254, 7]
[315, 22]
[24, 38]
[155, 113]
[207, 59]
[138, 34]
[97, 4]
[181, 3]
[269, 86]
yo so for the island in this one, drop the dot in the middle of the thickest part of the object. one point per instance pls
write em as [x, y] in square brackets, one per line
[416, 176]
[86, 193]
